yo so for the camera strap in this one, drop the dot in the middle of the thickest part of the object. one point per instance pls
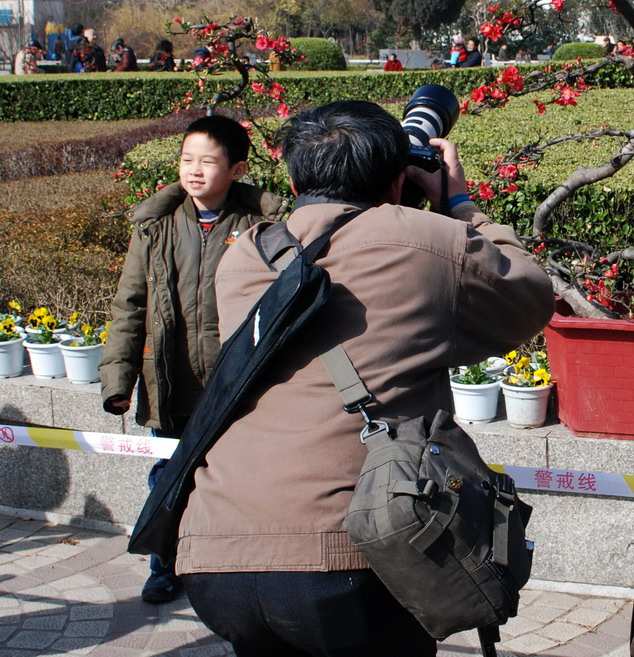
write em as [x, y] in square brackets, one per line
[444, 190]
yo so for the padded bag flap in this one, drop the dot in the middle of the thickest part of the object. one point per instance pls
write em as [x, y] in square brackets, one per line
[425, 513]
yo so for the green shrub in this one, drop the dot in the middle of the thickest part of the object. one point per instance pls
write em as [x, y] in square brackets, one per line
[69, 259]
[321, 54]
[570, 51]
[141, 95]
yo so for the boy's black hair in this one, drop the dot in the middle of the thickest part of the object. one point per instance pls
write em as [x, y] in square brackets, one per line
[227, 133]
[349, 150]
[76, 29]
[118, 43]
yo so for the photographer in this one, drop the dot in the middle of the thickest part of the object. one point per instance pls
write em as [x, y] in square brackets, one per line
[265, 559]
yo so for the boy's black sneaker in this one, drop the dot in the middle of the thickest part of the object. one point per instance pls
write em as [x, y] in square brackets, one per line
[161, 588]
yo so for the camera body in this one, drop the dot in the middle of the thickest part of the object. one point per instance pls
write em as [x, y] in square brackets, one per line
[431, 112]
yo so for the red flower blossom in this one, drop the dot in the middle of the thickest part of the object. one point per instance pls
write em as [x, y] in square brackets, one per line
[281, 45]
[541, 108]
[277, 91]
[478, 95]
[512, 78]
[612, 6]
[283, 111]
[464, 107]
[262, 42]
[258, 88]
[557, 5]
[508, 171]
[567, 97]
[510, 188]
[493, 32]
[485, 191]
[177, 20]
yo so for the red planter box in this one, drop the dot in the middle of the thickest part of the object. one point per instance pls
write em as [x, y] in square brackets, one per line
[592, 361]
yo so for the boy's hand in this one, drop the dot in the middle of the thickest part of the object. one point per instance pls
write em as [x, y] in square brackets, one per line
[431, 182]
[117, 405]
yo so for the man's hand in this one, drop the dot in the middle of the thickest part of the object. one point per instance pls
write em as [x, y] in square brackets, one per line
[431, 182]
[117, 405]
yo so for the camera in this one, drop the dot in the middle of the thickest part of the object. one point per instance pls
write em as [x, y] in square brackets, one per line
[431, 112]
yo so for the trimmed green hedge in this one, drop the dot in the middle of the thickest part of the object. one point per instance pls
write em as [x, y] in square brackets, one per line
[598, 214]
[321, 54]
[115, 96]
[583, 49]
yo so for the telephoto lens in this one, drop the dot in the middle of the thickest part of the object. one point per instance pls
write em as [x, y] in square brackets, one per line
[431, 112]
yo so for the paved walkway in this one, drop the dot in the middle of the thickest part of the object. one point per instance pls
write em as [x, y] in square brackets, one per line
[71, 591]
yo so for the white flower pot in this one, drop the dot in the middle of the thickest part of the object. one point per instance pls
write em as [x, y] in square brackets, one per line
[82, 362]
[60, 333]
[475, 404]
[11, 358]
[526, 408]
[47, 361]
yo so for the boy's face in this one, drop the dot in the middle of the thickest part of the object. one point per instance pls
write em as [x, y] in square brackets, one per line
[205, 173]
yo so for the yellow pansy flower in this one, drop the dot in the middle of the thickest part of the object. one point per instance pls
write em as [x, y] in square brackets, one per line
[510, 357]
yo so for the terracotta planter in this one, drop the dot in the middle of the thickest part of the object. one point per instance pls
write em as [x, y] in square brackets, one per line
[11, 358]
[592, 361]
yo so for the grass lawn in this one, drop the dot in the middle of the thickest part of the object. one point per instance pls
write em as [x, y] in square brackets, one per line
[29, 134]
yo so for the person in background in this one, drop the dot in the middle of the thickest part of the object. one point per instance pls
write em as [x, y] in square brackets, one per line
[608, 46]
[59, 49]
[163, 57]
[164, 330]
[95, 57]
[474, 57]
[458, 53]
[76, 37]
[25, 62]
[125, 55]
[503, 53]
[393, 63]
[437, 64]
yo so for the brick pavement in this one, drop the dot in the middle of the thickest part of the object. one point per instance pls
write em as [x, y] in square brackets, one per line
[72, 591]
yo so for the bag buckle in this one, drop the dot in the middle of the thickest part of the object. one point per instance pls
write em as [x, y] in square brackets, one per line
[373, 427]
[505, 488]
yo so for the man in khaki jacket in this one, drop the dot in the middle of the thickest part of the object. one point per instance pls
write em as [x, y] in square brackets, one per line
[265, 559]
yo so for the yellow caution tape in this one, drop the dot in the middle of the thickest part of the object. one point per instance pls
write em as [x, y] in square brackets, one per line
[541, 479]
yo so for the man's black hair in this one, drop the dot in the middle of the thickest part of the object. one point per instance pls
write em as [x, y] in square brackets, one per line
[227, 133]
[350, 150]
[165, 45]
[76, 29]
[476, 41]
[118, 43]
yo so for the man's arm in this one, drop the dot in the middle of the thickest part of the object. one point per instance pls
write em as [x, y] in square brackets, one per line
[502, 296]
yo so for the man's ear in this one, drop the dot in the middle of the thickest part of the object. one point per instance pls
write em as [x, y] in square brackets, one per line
[239, 170]
[393, 193]
[293, 189]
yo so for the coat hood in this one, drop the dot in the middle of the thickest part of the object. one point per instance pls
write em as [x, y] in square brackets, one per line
[251, 198]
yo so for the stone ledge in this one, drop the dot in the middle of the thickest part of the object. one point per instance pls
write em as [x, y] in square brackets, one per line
[579, 538]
